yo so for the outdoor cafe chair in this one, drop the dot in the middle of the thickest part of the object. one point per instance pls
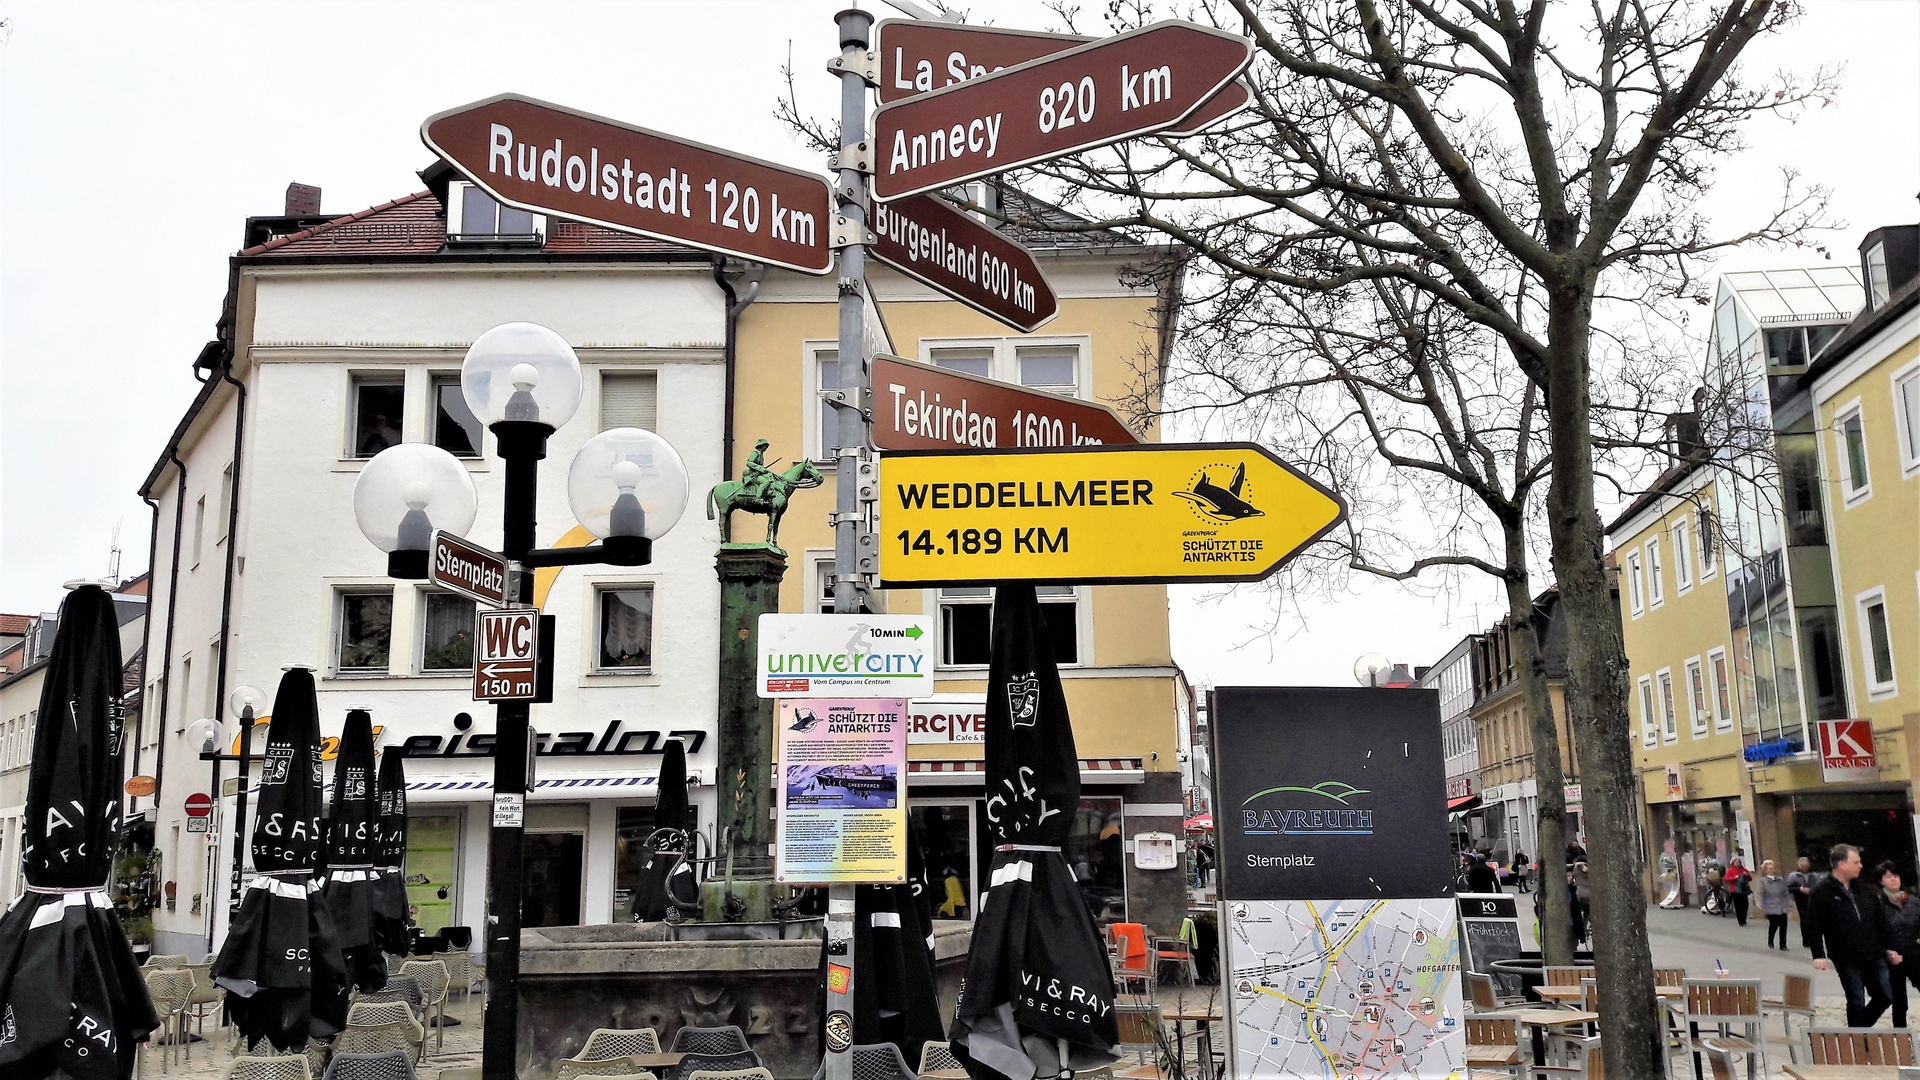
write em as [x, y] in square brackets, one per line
[381, 1039]
[1566, 975]
[1493, 1044]
[394, 1065]
[163, 961]
[433, 979]
[1583, 1062]
[938, 1055]
[278, 1067]
[168, 989]
[713, 1040]
[1485, 995]
[1722, 1005]
[1174, 951]
[757, 1073]
[1859, 1046]
[205, 994]
[1140, 1027]
[569, 1069]
[461, 972]
[1796, 999]
[733, 1062]
[873, 1061]
[385, 1014]
[607, 1043]
[399, 988]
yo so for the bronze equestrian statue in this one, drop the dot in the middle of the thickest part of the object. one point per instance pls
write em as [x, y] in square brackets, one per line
[760, 490]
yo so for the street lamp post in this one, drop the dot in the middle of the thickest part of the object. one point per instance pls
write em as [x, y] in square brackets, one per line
[626, 486]
[206, 732]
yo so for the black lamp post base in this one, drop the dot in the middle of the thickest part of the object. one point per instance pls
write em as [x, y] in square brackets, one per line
[407, 565]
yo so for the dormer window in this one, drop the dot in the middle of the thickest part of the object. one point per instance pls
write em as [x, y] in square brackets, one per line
[1877, 287]
[473, 217]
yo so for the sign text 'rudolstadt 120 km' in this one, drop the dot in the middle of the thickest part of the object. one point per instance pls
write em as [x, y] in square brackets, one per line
[1121, 514]
[553, 160]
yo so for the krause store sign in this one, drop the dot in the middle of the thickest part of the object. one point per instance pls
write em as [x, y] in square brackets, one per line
[1330, 792]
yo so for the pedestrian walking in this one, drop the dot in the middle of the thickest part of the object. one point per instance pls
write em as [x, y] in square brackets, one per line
[1800, 884]
[1775, 902]
[1582, 902]
[1848, 931]
[1520, 868]
[1480, 876]
[1738, 881]
[1903, 918]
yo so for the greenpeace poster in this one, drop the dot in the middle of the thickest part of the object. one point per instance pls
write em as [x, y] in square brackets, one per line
[1330, 793]
[842, 794]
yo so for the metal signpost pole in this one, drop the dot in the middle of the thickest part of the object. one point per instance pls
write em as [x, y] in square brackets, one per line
[850, 192]
[239, 810]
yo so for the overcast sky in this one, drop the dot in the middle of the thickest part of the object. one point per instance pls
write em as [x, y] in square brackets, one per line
[135, 138]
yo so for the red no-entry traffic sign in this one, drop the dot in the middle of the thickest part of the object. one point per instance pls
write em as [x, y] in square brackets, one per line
[554, 160]
[928, 238]
[1091, 95]
[198, 804]
[918, 57]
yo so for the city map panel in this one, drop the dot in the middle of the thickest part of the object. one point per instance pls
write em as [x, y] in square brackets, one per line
[1344, 989]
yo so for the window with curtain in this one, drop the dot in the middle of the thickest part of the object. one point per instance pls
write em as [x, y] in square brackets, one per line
[626, 629]
[363, 630]
[455, 429]
[630, 399]
[446, 632]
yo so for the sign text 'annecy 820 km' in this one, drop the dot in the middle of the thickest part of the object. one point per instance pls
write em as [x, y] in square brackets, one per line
[1098, 93]
[551, 159]
[1096, 515]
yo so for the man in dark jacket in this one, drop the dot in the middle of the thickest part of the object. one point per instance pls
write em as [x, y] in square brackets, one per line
[1847, 928]
[1480, 876]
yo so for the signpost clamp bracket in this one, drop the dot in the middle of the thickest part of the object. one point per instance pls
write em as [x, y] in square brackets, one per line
[855, 157]
[864, 64]
[848, 233]
[839, 400]
[869, 480]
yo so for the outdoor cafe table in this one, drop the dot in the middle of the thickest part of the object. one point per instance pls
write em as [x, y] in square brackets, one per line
[1542, 1019]
[1842, 1072]
[1203, 1020]
[1572, 993]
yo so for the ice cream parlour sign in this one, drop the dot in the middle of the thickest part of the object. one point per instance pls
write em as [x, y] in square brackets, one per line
[614, 737]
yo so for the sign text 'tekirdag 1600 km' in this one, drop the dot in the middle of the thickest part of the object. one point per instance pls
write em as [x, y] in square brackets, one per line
[1130, 514]
[1099, 93]
[550, 159]
[923, 407]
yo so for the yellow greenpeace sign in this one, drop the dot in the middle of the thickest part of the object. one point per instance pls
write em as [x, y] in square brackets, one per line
[1096, 515]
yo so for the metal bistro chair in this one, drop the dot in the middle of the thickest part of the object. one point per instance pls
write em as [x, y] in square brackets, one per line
[714, 1040]
[1859, 1046]
[163, 961]
[733, 1062]
[736, 1074]
[206, 995]
[1174, 951]
[168, 989]
[1493, 1044]
[1722, 1004]
[395, 1065]
[938, 1055]
[874, 1061]
[433, 979]
[607, 1043]
[462, 973]
[1796, 999]
[282, 1067]
[399, 988]
[394, 1015]
[610, 1069]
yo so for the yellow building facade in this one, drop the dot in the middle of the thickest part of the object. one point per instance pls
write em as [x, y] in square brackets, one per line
[1107, 342]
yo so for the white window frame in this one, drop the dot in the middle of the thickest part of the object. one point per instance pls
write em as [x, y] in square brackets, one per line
[1649, 722]
[1663, 700]
[1716, 686]
[457, 208]
[1699, 706]
[435, 379]
[1708, 551]
[1636, 585]
[350, 445]
[597, 586]
[224, 509]
[1005, 365]
[199, 530]
[1851, 494]
[810, 364]
[338, 620]
[1682, 557]
[1906, 426]
[1656, 587]
[1082, 633]
[1876, 689]
[599, 405]
[419, 636]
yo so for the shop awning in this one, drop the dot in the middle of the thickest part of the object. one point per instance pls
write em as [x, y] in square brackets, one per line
[477, 787]
[1461, 805]
[965, 772]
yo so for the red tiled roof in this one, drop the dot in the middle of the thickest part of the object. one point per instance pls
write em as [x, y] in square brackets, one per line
[414, 226]
[14, 625]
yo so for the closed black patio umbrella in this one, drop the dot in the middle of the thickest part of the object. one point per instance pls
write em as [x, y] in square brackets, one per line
[390, 906]
[896, 999]
[281, 946]
[71, 996]
[653, 898]
[353, 846]
[1038, 997]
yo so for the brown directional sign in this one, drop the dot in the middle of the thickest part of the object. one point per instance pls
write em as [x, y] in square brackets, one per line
[506, 666]
[927, 238]
[1091, 95]
[550, 159]
[467, 569]
[922, 407]
[919, 56]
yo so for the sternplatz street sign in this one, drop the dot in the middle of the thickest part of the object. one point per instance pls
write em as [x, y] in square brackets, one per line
[918, 56]
[929, 239]
[467, 569]
[507, 659]
[922, 407]
[1096, 515]
[1090, 95]
[549, 159]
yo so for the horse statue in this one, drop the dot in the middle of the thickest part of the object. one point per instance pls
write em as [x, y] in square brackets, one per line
[761, 491]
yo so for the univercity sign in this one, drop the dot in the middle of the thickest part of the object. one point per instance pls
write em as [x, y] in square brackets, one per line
[843, 656]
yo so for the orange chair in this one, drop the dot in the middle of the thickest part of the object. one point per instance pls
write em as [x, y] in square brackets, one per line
[1132, 964]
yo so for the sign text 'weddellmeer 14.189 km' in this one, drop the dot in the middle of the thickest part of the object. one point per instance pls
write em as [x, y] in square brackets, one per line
[551, 159]
[1093, 515]
[1099, 93]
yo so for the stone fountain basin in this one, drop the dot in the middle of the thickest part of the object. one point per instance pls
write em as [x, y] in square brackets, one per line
[762, 977]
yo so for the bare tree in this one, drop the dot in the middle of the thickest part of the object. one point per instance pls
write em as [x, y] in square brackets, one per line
[1538, 171]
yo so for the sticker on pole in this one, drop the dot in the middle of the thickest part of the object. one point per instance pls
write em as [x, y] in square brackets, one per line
[504, 669]
[844, 656]
[509, 809]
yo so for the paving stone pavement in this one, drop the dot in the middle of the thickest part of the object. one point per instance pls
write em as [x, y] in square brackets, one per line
[210, 1059]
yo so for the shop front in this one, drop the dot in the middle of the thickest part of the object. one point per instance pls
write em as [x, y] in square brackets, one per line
[1696, 823]
[1805, 809]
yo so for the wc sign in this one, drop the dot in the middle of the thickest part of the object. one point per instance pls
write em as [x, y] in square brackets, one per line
[1846, 751]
